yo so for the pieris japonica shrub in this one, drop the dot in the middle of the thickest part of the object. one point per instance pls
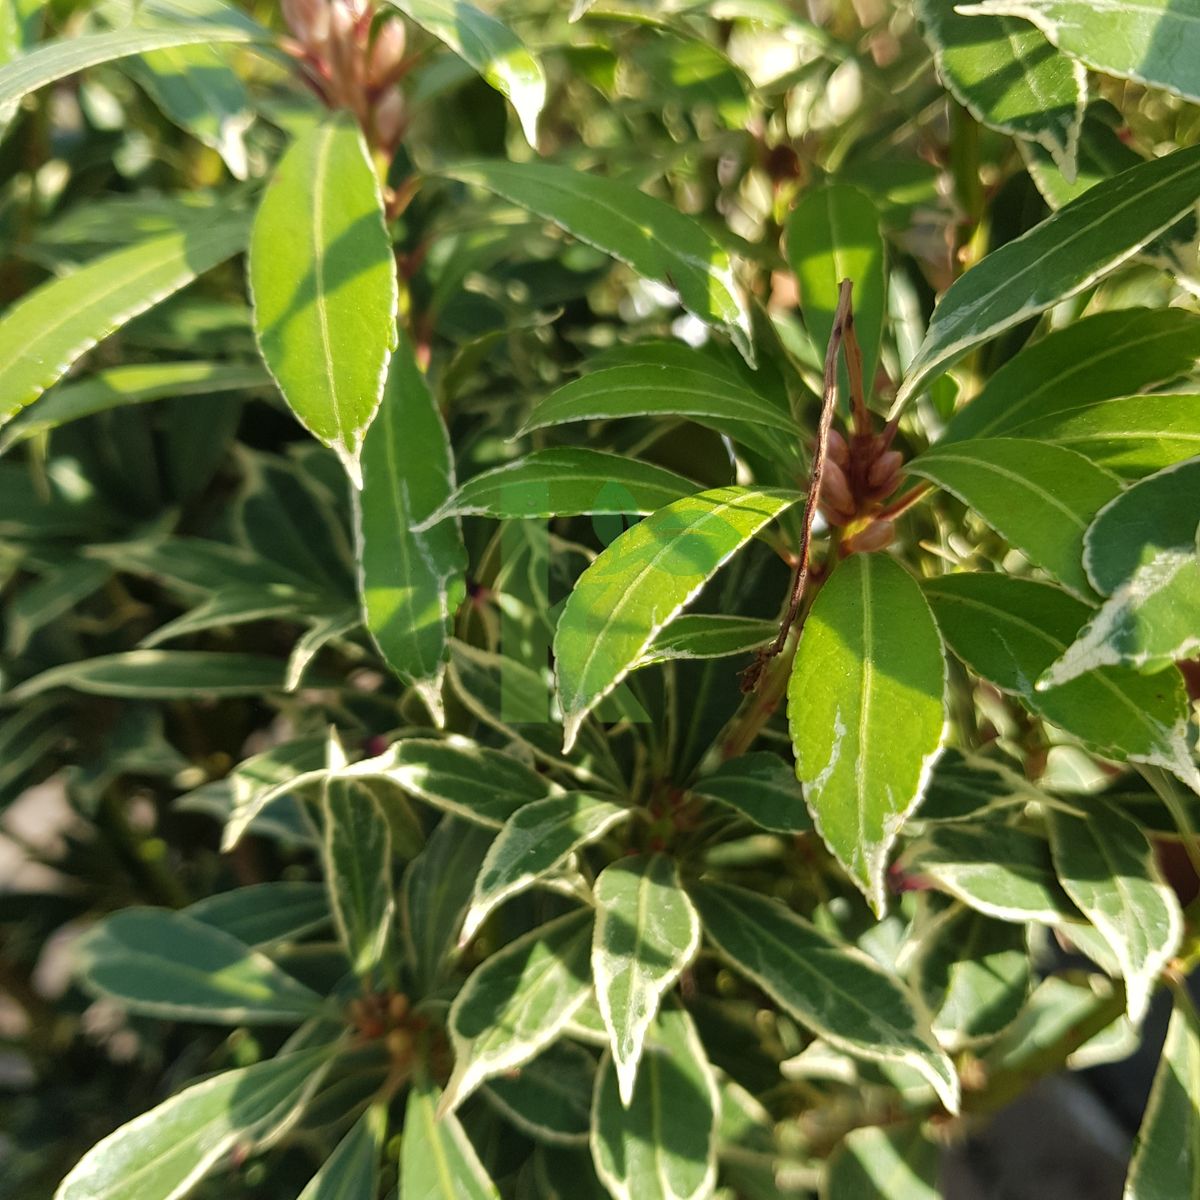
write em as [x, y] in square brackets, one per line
[610, 593]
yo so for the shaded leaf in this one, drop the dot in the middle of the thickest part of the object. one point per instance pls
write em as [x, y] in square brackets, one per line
[883, 1164]
[263, 913]
[351, 1172]
[550, 1097]
[762, 787]
[437, 1160]
[709, 635]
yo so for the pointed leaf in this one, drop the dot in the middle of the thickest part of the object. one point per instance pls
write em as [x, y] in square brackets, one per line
[44, 332]
[642, 580]
[832, 989]
[410, 582]
[1040, 498]
[709, 635]
[651, 236]
[865, 708]
[491, 48]
[646, 932]
[762, 787]
[565, 481]
[170, 1148]
[1106, 865]
[437, 1160]
[662, 1144]
[351, 1172]
[1009, 77]
[873, 1163]
[1066, 253]
[264, 913]
[1156, 42]
[358, 872]
[1166, 1160]
[534, 841]
[323, 282]
[517, 1002]
[550, 1097]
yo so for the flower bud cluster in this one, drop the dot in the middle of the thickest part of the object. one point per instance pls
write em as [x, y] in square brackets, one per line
[354, 61]
[859, 473]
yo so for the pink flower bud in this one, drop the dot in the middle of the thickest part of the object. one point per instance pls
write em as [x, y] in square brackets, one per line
[387, 54]
[838, 451]
[389, 119]
[875, 537]
[885, 468]
[835, 490]
[308, 20]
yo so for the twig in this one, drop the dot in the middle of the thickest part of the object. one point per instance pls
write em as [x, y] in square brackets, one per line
[843, 320]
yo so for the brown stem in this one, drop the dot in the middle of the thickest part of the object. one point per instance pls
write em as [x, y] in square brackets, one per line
[904, 503]
[842, 321]
[854, 371]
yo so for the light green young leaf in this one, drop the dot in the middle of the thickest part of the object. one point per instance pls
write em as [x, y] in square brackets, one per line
[19, 23]
[647, 389]
[998, 870]
[351, 1172]
[832, 989]
[872, 1163]
[550, 1098]
[518, 1002]
[410, 583]
[133, 384]
[65, 56]
[323, 283]
[651, 236]
[866, 712]
[1106, 865]
[1130, 435]
[534, 841]
[358, 872]
[262, 914]
[762, 787]
[437, 1160]
[1009, 77]
[1009, 631]
[1040, 498]
[169, 1149]
[1166, 1160]
[491, 48]
[160, 675]
[565, 481]
[661, 1144]
[44, 333]
[709, 635]
[1149, 41]
[833, 234]
[1066, 253]
[641, 581]
[166, 964]
[646, 932]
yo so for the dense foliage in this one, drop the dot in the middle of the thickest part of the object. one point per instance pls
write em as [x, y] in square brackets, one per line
[608, 591]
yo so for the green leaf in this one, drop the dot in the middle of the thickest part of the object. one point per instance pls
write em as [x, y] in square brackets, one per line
[161, 675]
[865, 709]
[661, 1144]
[1131, 435]
[565, 481]
[170, 1148]
[491, 48]
[133, 384]
[65, 56]
[411, 583]
[709, 635]
[435, 893]
[1166, 1160]
[1009, 77]
[641, 581]
[646, 389]
[437, 1160]
[965, 786]
[262, 914]
[1066, 253]
[534, 841]
[351, 1172]
[1040, 498]
[1106, 865]
[358, 873]
[1009, 631]
[833, 234]
[883, 1164]
[998, 870]
[550, 1097]
[1156, 42]
[50, 599]
[651, 236]
[323, 281]
[165, 964]
[762, 787]
[237, 606]
[264, 778]
[1100, 357]
[48, 329]
[646, 932]
[832, 989]
[518, 1002]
